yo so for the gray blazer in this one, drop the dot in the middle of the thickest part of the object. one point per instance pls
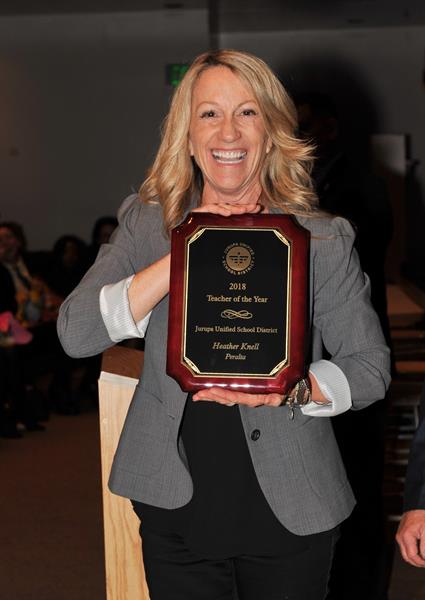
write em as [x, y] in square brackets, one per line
[297, 462]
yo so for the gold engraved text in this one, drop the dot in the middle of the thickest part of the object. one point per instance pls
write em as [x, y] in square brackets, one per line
[212, 298]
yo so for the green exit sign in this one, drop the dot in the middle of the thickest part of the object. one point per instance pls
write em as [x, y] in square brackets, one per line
[175, 73]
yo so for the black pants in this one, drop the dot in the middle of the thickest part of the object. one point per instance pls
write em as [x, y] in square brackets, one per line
[173, 572]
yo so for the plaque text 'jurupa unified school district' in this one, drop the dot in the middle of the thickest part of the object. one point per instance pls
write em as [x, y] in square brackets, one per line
[238, 302]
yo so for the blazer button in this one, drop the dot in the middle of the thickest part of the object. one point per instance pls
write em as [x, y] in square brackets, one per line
[255, 435]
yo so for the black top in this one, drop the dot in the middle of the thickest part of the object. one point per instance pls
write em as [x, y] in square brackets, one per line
[228, 514]
[7, 291]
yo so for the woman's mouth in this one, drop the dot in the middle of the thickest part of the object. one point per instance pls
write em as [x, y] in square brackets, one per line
[229, 156]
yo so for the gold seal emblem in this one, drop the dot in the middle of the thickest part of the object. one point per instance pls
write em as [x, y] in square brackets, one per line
[238, 258]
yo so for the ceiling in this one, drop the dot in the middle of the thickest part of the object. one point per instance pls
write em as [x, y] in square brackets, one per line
[248, 15]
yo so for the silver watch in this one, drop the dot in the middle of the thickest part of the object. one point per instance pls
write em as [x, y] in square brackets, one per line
[300, 395]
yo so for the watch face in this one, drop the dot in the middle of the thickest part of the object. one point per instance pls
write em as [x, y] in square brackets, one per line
[301, 394]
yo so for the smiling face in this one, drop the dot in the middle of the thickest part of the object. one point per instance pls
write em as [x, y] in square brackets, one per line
[227, 137]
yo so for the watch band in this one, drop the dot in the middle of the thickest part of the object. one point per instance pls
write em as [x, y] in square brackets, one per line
[300, 394]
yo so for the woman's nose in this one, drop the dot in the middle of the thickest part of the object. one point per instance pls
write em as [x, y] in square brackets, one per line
[229, 130]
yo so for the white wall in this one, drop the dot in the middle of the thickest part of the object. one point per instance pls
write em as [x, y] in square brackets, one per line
[81, 101]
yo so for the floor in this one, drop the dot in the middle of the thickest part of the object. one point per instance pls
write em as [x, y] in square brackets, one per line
[51, 522]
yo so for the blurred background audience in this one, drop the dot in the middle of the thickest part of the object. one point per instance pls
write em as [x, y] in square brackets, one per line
[36, 375]
[102, 231]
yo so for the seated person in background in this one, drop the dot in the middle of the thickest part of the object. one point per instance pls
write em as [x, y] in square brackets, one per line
[68, 265]
[28, 289]
[72, 377]
[8, 416]
[12, 394]
[36, 312]
[102, 231]
[7, 289]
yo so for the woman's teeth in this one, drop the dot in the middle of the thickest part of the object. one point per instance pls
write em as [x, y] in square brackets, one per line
[228, 156]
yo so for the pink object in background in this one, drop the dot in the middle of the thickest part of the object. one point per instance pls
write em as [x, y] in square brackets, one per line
[12, 331]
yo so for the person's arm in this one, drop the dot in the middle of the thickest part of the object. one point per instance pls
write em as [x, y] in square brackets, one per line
[343, 315]
[334, 388]
[149, 287]
[81, 325]
[411, 537]
[116, 313]
[126, 306]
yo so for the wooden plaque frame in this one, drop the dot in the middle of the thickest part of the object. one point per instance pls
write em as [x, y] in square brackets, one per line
[219, 338]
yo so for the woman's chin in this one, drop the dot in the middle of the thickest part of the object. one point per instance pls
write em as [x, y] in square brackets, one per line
[232, 193]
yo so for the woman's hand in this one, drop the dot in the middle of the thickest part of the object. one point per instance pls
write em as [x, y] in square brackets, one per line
[226, 210]
[232, 397]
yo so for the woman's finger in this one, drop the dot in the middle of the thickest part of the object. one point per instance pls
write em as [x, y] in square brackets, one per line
[230, 397]
[226, 210]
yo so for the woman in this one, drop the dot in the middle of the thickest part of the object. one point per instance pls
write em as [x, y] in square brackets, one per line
[27, 363]
[233, 493]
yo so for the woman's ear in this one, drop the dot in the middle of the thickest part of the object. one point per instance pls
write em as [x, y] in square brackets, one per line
[191, 148]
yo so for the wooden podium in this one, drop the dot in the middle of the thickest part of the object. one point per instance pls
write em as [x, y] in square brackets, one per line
[125, 576]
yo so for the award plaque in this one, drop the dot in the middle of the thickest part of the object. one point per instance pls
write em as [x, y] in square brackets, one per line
[238, 302]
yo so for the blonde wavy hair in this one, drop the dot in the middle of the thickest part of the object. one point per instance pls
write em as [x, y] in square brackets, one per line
[285, 177]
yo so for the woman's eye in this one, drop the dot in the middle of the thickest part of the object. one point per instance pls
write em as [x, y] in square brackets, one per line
[247, 112]
[208, 114]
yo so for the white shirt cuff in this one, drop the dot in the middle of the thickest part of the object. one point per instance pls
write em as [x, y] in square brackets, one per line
[116, 313]
[334, 386]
